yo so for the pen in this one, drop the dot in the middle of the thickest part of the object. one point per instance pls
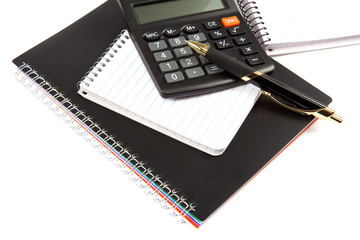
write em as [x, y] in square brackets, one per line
[277, 91]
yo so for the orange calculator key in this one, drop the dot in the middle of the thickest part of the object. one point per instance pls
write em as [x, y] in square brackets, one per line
[230, 21]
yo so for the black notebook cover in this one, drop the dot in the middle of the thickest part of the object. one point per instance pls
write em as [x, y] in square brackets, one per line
[205, 180]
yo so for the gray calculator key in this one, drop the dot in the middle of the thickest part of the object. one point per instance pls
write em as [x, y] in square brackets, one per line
[198, 37]
[174, 77]
[194, 72]
[168, 66]
[183, 52]
[204, 60]
[213, 69]
[189, 62]
[157, 46]
[177, 42]
[163, 56]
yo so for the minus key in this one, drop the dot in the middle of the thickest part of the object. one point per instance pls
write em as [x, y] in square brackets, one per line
[255, 60]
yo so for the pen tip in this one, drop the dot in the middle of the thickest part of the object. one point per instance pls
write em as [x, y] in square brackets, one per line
[200, 48]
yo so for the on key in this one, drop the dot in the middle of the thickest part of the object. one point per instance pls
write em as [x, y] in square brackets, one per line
[230, 21]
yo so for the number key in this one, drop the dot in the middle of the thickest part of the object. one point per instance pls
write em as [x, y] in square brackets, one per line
[163, 56]
[189, 62]
[157, 46]
[174, 77]
[183, 52]
[168, 66]
[177, 42]
[204, 60]
[199, 37]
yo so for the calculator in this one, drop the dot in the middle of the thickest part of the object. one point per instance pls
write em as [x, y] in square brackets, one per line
[159, 29]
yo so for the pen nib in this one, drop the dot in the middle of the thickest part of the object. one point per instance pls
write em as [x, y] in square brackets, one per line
[200, 48]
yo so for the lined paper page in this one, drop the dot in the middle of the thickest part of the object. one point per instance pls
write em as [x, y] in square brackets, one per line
[207, 122]
[290, 23]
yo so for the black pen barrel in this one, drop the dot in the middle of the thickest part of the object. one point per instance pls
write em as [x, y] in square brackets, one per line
[229, 63]
[266, 82]
[287, 92]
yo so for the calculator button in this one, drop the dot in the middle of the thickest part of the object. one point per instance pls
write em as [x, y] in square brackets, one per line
[224, 43]
[194, 72]
[198, 37]
[190, 28]
[168, 66]
[230, 21]
[212, 25]
[174, 77]
[204, 60]
[183, 52]
[242, 40]
[157, 46]
[163, 56]
[213, 69]
[151, 36]
[189, 62]
[217, 34]
[248, 50]
[234, 31]
[171, 32]
[177, 42]
[255, 60]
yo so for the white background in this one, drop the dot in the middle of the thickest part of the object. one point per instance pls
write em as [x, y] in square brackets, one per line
[54, 185]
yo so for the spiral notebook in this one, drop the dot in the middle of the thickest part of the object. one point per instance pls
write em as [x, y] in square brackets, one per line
[307, 27]
[186, 182]
[120, 82]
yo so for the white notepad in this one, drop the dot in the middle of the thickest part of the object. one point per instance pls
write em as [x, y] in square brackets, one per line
[285, 26]
[120, 82]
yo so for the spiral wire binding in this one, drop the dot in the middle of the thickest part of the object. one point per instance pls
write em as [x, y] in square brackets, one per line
[252, 16]
[130, 164]
[105, 58]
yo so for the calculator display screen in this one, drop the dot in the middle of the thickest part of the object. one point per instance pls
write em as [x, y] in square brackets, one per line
[161, 10]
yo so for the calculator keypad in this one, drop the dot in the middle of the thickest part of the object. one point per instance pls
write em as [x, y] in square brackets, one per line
[178, 62]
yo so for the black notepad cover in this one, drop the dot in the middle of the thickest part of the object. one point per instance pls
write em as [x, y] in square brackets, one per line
[207, 181]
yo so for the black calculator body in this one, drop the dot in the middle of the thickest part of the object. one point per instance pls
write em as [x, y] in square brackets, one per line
[159, 29]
